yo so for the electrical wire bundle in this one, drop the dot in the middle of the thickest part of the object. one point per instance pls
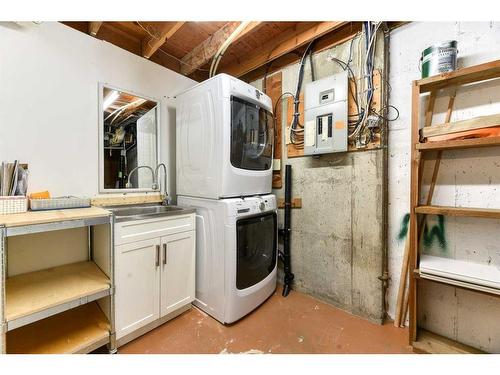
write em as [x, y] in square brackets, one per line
[364, 124]
[359, 130]
[296, 128]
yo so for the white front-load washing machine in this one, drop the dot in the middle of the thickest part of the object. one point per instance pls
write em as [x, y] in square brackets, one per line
[224, 140]
[236, 254]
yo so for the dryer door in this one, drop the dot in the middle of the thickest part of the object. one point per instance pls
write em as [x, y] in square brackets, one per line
[256, 246]
[251, 136]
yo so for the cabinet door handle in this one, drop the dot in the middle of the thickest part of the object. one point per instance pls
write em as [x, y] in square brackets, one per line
[164, 253]
[157, 255]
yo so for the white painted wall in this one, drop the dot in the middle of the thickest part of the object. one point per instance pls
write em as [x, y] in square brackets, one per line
[468, 178]
[49, 77]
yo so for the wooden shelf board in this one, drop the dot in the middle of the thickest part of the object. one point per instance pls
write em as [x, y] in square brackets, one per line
[33, 292]
[475, 123]
[51, 216]
[462, 76]
[79, 330]
[488, 213]
[459, 144]
[431, 343]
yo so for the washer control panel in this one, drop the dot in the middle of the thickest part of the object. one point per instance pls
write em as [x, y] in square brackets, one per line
[254, 205]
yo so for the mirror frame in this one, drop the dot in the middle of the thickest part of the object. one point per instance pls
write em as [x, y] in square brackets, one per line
[102, 189]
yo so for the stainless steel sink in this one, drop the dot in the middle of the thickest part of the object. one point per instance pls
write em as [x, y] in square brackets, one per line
[145, 211]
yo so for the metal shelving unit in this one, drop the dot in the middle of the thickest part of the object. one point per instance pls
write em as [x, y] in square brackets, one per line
[32, 302]
[422, 340]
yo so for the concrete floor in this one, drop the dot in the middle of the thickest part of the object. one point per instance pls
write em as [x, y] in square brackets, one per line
[296, 324]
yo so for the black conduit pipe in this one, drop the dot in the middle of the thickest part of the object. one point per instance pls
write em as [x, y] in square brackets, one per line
[287, 267]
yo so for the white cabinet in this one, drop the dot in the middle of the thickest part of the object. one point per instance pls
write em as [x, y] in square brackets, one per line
[137, 285]
[178, 270]
[155, 272]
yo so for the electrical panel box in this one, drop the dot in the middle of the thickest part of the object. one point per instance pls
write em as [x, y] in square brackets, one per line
[325, 128]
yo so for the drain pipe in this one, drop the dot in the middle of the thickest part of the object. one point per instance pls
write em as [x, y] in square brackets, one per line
[285, 255]
[384, 278]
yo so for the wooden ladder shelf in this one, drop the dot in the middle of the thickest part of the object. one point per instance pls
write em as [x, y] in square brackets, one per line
[421, 340]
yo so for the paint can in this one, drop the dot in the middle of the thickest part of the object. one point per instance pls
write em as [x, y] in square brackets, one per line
[439, 58]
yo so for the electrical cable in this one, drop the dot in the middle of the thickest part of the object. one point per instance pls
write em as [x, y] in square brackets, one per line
[296, 134]
[275, 112]
[222, 49]
[312, 67]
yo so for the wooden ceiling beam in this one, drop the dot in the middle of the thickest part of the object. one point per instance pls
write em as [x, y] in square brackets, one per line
[94, 27]
[330, 40]
[150, 45]
[277, 47]
[206, 50]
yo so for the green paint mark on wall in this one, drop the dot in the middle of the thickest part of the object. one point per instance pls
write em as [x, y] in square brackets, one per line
[437, 232]
[403, 231]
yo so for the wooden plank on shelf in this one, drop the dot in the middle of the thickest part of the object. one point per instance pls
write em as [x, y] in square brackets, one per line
[33, 292]
[51, 216]
[126, 199]
[79, 330]
[459, 144]
[462, 76]
[463, 125]
[432, 343]
[273, 90]
[488, 213]
[296, 202]
[490, 132]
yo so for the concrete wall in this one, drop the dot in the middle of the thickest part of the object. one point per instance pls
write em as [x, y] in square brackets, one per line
[336, 243]
[49, 75]
[469, 178]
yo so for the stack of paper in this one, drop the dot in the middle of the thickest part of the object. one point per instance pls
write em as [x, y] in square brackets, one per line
[12, 179]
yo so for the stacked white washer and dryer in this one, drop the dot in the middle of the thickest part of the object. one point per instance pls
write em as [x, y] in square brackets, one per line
[224, 169]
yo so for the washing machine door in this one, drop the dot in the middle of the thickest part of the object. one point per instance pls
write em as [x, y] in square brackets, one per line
[256, 246]
[251, 136]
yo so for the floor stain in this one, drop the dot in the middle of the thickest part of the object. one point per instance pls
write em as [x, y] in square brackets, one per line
[295, 324]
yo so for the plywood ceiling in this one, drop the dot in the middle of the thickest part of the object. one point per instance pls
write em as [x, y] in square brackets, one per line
[189, 47]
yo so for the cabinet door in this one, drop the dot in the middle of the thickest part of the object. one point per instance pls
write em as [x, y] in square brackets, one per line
[177, 271]
[137, 281]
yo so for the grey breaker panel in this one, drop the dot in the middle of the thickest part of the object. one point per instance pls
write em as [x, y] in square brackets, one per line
[325, 128]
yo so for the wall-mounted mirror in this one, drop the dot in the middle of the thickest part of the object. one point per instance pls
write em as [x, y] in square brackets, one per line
[128, 130]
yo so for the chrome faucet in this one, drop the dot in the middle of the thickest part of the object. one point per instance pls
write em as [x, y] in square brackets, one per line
[165, 199]
[155, 184]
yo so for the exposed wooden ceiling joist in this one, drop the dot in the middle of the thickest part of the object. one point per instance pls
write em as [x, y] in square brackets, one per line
[280, 46]
[339, 36]
[151, 44]
[205, 51]
[189, 47]
[94, 27]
